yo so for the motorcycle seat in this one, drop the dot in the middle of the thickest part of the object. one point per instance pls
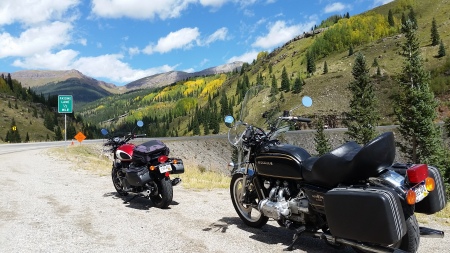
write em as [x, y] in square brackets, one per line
[350, 162]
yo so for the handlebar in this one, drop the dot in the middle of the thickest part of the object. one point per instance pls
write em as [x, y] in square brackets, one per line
[295, 118]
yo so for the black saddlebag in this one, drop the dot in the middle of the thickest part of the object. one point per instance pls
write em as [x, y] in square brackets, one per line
[436, 200]
[177, 168]
[370, 214]
[148, 151]
[137, 175]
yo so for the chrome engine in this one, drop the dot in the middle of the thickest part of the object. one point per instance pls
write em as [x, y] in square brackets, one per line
[277, 207]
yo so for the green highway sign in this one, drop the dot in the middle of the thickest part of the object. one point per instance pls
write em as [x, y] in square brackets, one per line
[65, 104]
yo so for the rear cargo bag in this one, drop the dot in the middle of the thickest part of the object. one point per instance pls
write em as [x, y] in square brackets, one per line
[370, 214]
[148, 151]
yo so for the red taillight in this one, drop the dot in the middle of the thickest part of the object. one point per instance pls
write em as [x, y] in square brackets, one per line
[162, 159]
[417, 173]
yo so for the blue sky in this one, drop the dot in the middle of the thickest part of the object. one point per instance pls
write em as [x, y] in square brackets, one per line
[120, 41]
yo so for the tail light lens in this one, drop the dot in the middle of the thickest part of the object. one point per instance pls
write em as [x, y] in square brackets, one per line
[162, 159]
[417, 173]
[429, 184]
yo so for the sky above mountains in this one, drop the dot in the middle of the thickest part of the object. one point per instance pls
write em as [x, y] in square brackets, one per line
[120, 41]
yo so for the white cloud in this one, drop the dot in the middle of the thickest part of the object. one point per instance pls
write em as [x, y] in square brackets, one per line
[246, 57]
[133, 51]
[33, 11]
[183, 38]
[219, 34]
[139, 9]
[334, 7]
[279, 33]
[213, 3]
[37, 40]
[112, 67]
[58, 61]
[381, 2]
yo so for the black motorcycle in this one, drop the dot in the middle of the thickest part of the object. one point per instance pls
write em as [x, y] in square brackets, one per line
[352, 196]
[144, 169]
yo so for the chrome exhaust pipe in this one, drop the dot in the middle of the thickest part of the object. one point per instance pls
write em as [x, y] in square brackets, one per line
[430, 233]
[361, 246]
[176, 181]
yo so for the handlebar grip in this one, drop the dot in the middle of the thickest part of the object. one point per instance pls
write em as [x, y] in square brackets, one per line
[306, 120]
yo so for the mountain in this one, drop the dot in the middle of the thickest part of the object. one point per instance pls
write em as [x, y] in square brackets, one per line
[164, 79]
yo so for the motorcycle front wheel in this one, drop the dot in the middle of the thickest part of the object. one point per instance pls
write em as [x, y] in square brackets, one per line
[116, 174]
[165, 193]
[249, 215]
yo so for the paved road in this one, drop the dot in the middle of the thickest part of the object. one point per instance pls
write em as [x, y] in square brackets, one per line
[48, 205]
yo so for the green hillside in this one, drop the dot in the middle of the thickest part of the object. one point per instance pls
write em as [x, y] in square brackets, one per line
[185, 108]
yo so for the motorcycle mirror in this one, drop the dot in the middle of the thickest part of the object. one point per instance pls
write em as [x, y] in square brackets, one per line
[140, 123]
[229, 121]
[307, 101]
[104, 131]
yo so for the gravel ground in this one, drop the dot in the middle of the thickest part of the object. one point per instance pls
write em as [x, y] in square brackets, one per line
[48, 206]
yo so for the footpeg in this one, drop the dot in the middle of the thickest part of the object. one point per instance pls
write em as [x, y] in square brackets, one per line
[176, 181]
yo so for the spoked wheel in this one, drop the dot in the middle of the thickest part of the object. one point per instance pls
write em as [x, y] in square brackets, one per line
[116, 174]
[249, 215]
[165, 193]
[410, 241]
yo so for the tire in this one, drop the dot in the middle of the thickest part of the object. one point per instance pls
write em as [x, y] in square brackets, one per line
[116, 173]
[245, 211]
[165, 193]
[410, 241]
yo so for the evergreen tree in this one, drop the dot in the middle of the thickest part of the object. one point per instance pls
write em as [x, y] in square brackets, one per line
[274, 87]
[285, 84]
[13, 135]
[375, 62]
[270, 69]
[441, 52]
[378, 71]
[310, 63]
[391, 18]
[403, 22]
[322, 144]
[350, 50]
[27, 138]
[298, 85]
[416, 106]
[362, 118]
[435, 38]
[58, 134]
[325, 67]
[412, 17]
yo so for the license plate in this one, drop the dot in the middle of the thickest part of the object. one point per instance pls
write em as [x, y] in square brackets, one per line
[163, 168]
[421, 192]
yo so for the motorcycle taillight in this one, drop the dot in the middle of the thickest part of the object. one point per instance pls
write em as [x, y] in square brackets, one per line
[163, 159]
[417, 173]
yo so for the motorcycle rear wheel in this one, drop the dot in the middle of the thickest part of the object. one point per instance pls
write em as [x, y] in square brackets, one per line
[115, 175]
[165, 193]
[245, 212]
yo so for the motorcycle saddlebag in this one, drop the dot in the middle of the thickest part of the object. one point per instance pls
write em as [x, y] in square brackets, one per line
[370, 214]
[137, 175]
[177, 168]
[147, 151]
[436, 200]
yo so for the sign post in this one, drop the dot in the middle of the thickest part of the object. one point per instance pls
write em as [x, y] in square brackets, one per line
[65, 105]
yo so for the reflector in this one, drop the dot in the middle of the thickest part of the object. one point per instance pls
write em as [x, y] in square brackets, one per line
[411, 197]
[417, 173]
[430, 184]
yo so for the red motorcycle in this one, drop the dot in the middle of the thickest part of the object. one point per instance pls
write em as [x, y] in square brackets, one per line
[143, 170]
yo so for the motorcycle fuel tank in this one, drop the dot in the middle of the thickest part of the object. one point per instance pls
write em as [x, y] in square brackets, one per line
[125, 152]
[282, 161]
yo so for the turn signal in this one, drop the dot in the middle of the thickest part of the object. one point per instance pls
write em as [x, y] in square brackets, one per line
[152, 167]
[162, 159]
[429, 184]
[174, 161]
[411, 197]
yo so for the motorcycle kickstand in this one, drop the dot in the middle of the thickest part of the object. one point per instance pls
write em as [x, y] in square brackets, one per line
[298, 231]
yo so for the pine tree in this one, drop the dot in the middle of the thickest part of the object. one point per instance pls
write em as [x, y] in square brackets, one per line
[375, 62]
[378, 71]
[350, 50]
[416, 106]
[391, 18]
[362, 118]
[441, 52]
[310, 63]
[322, 144]
[58, 134]
[298, 85]
[435, 38]
[412, 17]
[27, 138]
[325, 67]
[403, 22]
[274, 87]
[285, 84]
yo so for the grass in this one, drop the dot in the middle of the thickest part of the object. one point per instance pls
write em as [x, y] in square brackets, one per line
[442, 217]
[89, 157]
